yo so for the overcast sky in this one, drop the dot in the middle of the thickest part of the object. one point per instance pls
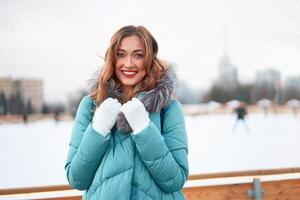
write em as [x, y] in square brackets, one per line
[59, 40]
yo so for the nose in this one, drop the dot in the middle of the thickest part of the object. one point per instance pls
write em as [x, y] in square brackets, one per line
[128, 62]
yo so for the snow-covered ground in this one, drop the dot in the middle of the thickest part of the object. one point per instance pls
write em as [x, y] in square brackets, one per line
[264, 143]
[34, 154]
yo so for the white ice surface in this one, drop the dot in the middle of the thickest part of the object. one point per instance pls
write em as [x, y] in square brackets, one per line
[35, 154]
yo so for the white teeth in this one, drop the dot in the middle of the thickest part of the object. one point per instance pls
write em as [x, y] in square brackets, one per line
[128, 73]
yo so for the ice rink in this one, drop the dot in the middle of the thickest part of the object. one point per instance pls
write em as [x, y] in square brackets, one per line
[34, 154]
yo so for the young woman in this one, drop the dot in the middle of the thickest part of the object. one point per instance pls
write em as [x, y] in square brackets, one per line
[129, 138]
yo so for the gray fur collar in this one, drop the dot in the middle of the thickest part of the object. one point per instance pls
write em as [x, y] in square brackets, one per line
[153, 100]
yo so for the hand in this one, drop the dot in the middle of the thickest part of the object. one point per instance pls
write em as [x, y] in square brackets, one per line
[136, 115]
[105, 116]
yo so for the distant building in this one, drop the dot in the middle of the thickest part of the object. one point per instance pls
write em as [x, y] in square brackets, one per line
[30, 89]
[268, 85]
[227, 71]
[6, 86]
[227, 77]
[293, 82]
[292, 88]
[225, 86]
[269, 77]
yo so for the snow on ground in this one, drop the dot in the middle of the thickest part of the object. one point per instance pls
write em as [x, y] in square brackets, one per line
[263, 143]
[35, 154]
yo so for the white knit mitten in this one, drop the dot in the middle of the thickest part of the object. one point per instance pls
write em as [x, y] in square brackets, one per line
[105, 116]
[136, 115]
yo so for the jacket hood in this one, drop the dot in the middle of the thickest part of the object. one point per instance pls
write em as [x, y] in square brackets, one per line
[153, 100]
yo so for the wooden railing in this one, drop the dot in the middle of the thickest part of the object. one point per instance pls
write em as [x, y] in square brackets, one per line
[245, 173]
[274, 187]
[276, 184]
[273, 190]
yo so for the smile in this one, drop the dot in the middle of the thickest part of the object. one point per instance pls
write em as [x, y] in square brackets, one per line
[128, 73]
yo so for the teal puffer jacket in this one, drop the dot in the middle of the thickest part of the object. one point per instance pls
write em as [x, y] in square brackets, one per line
[151, 165]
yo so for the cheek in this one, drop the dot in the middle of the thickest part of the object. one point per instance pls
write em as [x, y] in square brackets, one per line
[141, 64]
[117, 73]
[142, 75]
[117, 65]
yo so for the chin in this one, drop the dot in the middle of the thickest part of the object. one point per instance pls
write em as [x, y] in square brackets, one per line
[129, 83]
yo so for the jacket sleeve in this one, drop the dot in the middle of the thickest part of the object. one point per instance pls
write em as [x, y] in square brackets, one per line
[86, 148]
[165, 154]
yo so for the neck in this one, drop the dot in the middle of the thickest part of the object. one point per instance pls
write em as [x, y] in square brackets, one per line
[126, 93]
[126, 89]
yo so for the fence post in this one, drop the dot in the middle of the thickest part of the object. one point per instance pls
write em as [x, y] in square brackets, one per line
[257, 192]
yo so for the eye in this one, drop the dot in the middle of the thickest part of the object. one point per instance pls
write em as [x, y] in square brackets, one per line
[139, 56]
[120, 54]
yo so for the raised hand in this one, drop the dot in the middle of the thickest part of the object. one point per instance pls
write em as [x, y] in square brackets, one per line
[136, 115]
[106, 115]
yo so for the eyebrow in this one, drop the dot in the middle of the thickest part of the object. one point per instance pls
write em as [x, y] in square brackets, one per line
[134, 51]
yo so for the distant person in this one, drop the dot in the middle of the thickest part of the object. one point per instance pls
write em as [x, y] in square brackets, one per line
[129, 138]
[265, 104]
[25, 117]
[295, 111]
[294, 105]
[56, 116]
[265, 110]
[241, 112]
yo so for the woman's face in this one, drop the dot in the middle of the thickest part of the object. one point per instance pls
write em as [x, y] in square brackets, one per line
[130, 59]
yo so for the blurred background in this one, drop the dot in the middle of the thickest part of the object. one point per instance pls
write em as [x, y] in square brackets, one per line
[237, 62]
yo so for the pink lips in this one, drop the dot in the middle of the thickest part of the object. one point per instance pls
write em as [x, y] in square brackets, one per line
[129, 73]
